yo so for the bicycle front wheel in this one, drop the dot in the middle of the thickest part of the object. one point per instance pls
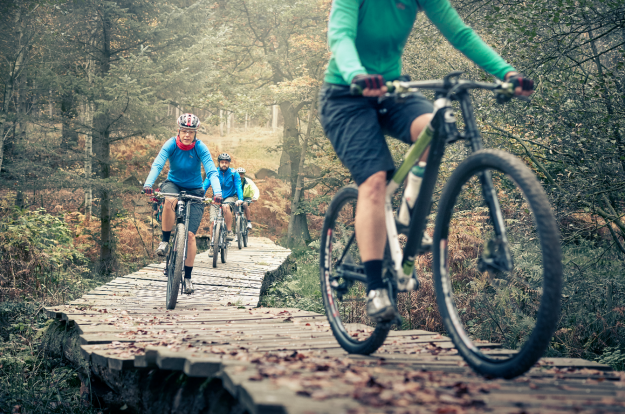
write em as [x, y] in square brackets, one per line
[497, 264]
[176, 265]
[216, 242]
[239, 223]
[343, 280]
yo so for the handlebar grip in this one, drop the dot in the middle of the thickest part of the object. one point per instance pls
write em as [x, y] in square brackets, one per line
[355, 90]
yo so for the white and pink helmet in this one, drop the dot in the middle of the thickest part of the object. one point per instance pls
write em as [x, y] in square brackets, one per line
[189, 121]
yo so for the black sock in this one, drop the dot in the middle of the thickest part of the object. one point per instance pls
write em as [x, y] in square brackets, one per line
[187, 272]
[373, 270]
[166, 236]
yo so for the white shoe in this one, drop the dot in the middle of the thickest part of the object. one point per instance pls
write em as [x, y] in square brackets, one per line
[162, 249]
[249, 225]
[188, 286]
[210, 251]
[379, 306]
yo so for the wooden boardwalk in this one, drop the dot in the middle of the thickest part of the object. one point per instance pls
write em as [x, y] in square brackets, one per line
[287, 361]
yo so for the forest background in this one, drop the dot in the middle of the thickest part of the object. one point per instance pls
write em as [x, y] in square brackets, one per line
[91, 89]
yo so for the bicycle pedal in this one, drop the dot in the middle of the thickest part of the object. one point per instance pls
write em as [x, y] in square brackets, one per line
[412, 284]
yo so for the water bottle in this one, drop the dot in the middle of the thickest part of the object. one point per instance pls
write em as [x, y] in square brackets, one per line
[415, 176]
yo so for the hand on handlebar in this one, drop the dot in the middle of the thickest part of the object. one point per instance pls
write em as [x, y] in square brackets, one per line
[238, 202]
[522, 85]
[148, 191]
[218, 199]
[368, 85]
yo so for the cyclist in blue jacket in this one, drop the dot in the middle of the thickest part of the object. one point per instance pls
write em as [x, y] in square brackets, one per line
[186, 155]
[230, 182]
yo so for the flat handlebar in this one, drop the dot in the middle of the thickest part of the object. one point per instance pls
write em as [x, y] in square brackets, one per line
[450, 85]
[160, 195]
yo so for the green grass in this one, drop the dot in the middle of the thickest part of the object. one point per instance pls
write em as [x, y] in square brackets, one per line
[300, 289]
[30, 380]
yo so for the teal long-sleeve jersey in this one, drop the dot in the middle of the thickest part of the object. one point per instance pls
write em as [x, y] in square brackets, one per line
[368, 37]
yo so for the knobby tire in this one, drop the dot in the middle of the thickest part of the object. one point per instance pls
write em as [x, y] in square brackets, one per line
[216, 242]
[547, 232]
[239, 222]
[339, 330]
[224, 251]
[176, 268]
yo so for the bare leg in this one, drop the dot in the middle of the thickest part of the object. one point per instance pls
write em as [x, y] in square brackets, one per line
[228, 217]
[169, 214]
[246, 207]
[370, 208]
[415, 129]
[370, 217]
[191, 250]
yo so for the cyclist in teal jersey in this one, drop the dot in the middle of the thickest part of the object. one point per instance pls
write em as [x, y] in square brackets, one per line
[367, 39]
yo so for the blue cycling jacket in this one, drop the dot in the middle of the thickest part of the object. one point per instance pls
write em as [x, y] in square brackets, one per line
[185, 166]
[230, 182]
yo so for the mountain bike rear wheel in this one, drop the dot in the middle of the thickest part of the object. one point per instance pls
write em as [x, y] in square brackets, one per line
[239, 222]
[343, 281]
[245, 231]
[493, 286]
[216, 242]
[176, 265]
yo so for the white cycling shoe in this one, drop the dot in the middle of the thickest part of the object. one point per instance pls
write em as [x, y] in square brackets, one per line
[162, 249]
[188, 286]
[379, 306]
[249, 225]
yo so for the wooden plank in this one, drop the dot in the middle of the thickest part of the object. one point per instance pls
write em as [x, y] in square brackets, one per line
[123, 325]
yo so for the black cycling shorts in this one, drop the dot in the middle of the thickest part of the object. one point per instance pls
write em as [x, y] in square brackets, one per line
[197, 209]
[356, 127]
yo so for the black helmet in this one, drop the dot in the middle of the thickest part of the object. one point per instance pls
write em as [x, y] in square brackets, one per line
[224, 157]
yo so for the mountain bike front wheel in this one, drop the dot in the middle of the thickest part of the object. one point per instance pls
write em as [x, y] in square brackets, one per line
[176, 265]
[497, 264]
[343, 280]
[239, 223]
[216, 242]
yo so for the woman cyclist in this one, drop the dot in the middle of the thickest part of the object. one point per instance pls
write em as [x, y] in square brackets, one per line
[367, 38]
[186, 155]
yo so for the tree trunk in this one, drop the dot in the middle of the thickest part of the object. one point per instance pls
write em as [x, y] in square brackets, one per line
[221, 123]
[290, 140]
[608, 103]
[103, 155]
[69, 136]
[14, 74]
[298, 224]
[88, 158]
[274, 117]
